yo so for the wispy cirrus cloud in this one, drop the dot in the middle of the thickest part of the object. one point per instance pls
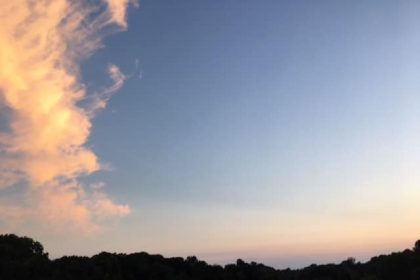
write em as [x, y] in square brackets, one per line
[43, 144]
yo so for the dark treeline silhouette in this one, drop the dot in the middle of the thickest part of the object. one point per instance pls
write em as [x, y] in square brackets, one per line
[24, 258]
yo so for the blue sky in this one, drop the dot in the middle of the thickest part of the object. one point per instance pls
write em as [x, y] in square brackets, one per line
[285, 132]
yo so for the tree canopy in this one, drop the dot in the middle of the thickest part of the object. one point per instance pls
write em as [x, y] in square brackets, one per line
[24, 258]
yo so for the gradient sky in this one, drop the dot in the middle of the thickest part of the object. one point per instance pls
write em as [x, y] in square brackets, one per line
[285, 132]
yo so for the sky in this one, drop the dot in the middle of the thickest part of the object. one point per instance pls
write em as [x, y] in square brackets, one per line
[283, 132]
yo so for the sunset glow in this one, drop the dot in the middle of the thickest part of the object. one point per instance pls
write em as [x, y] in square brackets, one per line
[286, 132]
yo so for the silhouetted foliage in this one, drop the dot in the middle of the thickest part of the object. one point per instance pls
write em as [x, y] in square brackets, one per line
[416, 247]
[24, 258]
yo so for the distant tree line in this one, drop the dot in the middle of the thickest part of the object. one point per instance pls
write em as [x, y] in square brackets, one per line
[22, 258]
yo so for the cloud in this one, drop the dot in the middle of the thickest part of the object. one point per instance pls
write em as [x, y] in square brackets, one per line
[117, 10]
[100, 99]
[8, 178]
[70, 206]
[44, 143]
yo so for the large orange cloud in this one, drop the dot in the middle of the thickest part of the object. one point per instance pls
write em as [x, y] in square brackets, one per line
[41, 45]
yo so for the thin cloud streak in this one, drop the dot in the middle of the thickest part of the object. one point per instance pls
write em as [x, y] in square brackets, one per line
[99, 100]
